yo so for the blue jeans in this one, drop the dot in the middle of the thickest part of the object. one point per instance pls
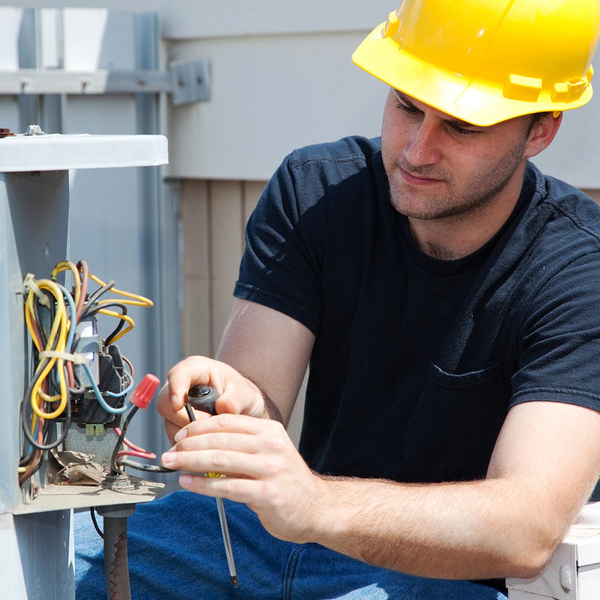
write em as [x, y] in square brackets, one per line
[176, 551]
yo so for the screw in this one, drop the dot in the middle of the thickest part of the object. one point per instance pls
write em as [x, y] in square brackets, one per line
[566, 578]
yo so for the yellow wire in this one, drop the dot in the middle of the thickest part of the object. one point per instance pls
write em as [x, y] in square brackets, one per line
[137, 300]
[59, 319]
[121, 316]
[61, 326]
[67, 265]
[28, 316]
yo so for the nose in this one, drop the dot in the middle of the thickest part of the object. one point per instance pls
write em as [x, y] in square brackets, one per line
[424, 145]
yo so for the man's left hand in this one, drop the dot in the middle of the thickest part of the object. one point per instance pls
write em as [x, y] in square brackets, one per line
[262, 469]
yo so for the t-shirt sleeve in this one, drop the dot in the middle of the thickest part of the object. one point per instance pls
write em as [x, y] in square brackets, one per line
[560, 341]
[281, 265]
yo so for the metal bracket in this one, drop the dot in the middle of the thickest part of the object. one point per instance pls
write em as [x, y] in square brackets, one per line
[188, 81]
[558, 581]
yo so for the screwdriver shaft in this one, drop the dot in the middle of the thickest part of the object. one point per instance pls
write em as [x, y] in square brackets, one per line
[222, 519]
[227, 541]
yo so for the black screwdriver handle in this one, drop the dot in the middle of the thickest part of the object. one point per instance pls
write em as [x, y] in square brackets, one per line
[201, 397]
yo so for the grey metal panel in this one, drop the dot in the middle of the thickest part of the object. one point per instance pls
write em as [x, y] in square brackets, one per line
[9, 113]
[95, 38]
[27, 48]
[9, 41]
[34, 222]
[44, 548]
[34, 210]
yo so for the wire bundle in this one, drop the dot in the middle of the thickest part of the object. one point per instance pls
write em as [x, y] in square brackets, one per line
[52, 314]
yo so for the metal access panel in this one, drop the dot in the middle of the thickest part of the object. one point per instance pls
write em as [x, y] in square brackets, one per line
[36, 553]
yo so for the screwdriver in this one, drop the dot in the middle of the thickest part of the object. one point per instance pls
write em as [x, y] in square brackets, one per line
[203, 397]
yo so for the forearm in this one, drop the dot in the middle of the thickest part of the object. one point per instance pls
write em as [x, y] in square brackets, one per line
[469, 530]
[271, 411]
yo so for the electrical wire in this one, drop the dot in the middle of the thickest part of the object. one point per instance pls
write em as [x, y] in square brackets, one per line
[101, 400]
[140, 467]
[67, 265]
[29, 436]
[95, 522]
[111, 337]
[130, 444]
[114, 467]
[148, 455]
[93, 299]
[136, 300]
[82, 268]
[51, 315]
[131, 369]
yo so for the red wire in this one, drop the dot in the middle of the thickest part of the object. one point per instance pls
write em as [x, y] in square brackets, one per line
[149, 455]
[131, 444]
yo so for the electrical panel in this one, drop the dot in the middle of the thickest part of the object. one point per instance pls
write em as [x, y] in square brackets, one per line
[66, 388]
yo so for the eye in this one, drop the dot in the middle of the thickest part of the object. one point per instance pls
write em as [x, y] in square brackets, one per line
[463, 130]
[409, 110]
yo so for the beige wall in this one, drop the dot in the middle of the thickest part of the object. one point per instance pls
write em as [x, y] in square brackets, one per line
[214, 214]
[595, 194]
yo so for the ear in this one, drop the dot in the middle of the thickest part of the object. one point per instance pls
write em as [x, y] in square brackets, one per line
[542, 133]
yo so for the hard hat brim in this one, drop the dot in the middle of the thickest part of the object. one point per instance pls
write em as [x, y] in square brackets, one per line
[477, 102]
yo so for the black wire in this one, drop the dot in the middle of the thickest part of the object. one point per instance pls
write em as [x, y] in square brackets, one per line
[26, 459]
[51, 308]
[119, 326]
[114, 467]
[93, 298]
[96, 526]
[38, 466]
[140, 467]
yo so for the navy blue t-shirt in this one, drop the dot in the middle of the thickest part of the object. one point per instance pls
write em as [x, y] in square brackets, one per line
[417, 360]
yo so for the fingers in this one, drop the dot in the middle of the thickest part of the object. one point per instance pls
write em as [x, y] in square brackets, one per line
[231, 445]
[192, 371]
[238, 490]
[237, 394]
[223, 462]
[233, 424]
[173, 420]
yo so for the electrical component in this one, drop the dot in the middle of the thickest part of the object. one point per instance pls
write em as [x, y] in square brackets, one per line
[80, 382]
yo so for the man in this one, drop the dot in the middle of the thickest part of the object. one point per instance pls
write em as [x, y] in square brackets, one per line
[445, 293]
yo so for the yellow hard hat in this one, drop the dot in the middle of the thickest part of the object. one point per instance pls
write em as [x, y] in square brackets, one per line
[485, 61]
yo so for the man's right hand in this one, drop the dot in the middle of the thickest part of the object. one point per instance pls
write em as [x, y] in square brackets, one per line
[237, 394]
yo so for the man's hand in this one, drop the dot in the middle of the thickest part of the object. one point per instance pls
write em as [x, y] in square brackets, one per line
[237, 395]
[263, 470]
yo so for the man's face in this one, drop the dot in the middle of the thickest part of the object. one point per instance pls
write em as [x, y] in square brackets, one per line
[439, 167]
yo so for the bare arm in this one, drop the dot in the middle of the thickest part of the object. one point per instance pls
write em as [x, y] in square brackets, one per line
[269, 348]
[262, 360]
[545, 465]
